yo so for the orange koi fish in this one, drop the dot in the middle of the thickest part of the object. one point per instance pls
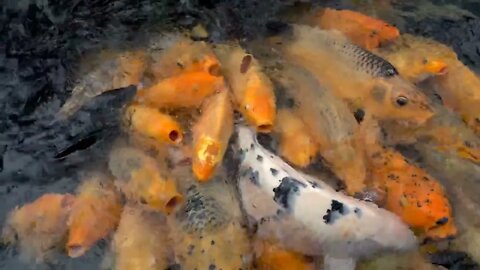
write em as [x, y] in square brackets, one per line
[252, 89]
[95, 214]
[410, 192]
[174, 54]
[188, 89]
[39, 226]
[139, 177]
[273, 257]
[211, 134]
[140, 242]
[362, 30]
[296, 144]
[151, 123]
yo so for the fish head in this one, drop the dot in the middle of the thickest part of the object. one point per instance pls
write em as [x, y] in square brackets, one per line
[396, 99]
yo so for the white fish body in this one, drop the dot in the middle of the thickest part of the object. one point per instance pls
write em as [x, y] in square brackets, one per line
[306, 215]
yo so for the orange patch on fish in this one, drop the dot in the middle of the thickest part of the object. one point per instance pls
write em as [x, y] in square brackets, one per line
[273, 257]
[151, 123]
[185, 90]
[39, 226]
[410, 192]
[362, 30]
[296, 144]
[211, 134]
[95, 214]
[252, 89]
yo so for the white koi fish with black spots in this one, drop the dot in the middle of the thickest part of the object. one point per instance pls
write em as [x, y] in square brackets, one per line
[306, 215]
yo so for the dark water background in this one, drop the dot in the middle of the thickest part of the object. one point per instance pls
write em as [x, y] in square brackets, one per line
[42, 42]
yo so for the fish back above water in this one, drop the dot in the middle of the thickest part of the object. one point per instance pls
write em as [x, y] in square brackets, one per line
[306, 215]
[360, 59]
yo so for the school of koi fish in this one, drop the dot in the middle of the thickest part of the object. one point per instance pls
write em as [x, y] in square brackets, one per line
[337, 88]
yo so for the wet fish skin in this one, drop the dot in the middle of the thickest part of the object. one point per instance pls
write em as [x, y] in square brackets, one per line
[39, 227]
[279, 201]
[208, 231]
[94, 215]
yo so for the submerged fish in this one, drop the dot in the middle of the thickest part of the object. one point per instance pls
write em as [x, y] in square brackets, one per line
[306, 215]
[296, 144]
[208, 231]
[139, 177]
[329, 121]
[251, 88]
[122, 70]
[362, 30]
[39, 227]
[140, 242]
[94, 215]
[416, 58]
[360, 77]
[172, 54]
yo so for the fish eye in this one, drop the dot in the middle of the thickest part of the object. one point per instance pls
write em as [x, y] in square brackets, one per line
[401, 101]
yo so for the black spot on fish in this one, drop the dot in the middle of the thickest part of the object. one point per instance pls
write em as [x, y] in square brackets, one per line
[254, 178]
[245, 65]
[288, 187]
[212, 267]
[358, 212]
[252, 146]
[212, 243]
[259, 158]
[274, 171]
[336, 207]
[314, 184]
[442, 221]
[359, 115]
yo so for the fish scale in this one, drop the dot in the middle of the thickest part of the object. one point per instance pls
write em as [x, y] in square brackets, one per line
[362, 59]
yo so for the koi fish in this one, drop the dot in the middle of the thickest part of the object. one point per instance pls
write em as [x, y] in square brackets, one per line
[122, 70]
[274, 257]
[140, 242]
[358, 76]
[211, 134]
[362, 30]
[279, 200]
[138, 176]
[415, 58]
[187, 89]
[296, 144]
[208, 231]
[460, 91]
[252, 89]
[410, 192]
[39, 227]
[173, 54]
[95, 213]
[445, 131]
[151, 123]
[328, 119]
